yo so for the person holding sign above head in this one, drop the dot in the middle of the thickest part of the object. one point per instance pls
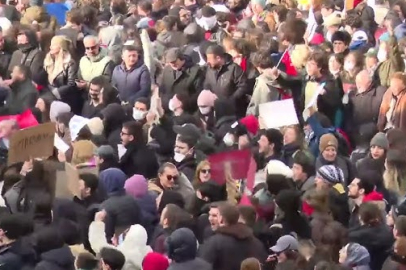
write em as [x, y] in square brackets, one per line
[23, 94]
[319, 87]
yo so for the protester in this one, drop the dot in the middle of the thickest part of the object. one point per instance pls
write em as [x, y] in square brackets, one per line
[125, 126]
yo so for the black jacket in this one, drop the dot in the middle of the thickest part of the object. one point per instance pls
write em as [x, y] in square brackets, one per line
[187, 83]
[139, 159]
[34, 59]
[65, 84]
[377, 240]
[17, 255]
[230, 246]
[327, 104]
[5, 58]
[228, 82]
[57, 259]
[122, 212]
[23, 96]
[187, 167]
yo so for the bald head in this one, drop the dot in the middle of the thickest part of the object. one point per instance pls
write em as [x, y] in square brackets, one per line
[363, 80]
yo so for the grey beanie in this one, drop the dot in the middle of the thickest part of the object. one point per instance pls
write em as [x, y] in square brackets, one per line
[105, 151]
[380, 140]
[36, 3]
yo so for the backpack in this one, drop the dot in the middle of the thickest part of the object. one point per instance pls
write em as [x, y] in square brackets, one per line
[344, 146]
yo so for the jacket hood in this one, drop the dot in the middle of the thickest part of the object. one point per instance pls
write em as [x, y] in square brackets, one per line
[136, 186]
[61, 256]
[113, 117]
[267, 78]
[357, 255]
[113, 180]
[182, 245]
[238, 231]
[136, 238]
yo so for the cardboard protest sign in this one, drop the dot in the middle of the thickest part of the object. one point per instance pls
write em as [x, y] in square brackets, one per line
[237, 162]
[279, 113]
[34, 142]
[67, 182]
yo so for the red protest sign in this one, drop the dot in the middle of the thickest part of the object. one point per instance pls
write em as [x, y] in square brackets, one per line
[24, 120]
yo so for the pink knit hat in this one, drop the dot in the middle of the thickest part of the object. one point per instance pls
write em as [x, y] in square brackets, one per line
[206, 99]
[155, 261]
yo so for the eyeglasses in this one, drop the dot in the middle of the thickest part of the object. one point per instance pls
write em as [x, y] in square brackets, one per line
[123, 133]
[205, 171]
[91, 48]
[172, 177]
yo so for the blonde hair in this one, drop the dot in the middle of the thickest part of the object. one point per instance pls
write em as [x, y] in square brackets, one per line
[250, 264]
[54, 65]
[394, 179]
[200, 166]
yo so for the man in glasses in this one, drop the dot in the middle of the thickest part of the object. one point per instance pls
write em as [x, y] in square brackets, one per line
[169, 178]
[94, 63]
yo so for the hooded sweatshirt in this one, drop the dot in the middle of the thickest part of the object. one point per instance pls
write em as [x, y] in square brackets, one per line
[264, 91]
[357, 257]
[182, 249]
[134, 246]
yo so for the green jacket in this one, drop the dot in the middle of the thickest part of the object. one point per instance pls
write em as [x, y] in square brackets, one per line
[394, 63]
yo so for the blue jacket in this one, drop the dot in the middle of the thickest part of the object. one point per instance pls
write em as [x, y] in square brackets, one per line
[318, 131]
[132, 84]
[58, 10]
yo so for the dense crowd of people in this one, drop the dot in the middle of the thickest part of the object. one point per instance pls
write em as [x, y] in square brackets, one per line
[146, 95]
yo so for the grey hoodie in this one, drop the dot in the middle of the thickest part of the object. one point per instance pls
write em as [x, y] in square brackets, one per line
[264, 91]
[357, 257]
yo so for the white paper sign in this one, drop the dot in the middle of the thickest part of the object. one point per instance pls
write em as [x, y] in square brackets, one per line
[60, 144]
[121, 150]
[316, 94]
[277, 114]
[76, 124]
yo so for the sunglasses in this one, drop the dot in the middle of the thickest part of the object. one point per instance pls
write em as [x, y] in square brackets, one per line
[172, 177]
[91, 48]
[206, 171]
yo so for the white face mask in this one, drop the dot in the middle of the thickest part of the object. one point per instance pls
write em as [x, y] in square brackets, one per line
[349, 66]
[382, 55]
[138, 115]
[178, 157]
[228, 139]
[204, 110]
[207, 23]
[171, 106]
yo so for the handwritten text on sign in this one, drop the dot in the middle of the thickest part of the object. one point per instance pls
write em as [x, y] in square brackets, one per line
[32, 142]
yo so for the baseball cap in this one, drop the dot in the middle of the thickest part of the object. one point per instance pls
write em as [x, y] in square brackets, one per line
[188, 130]
[172, 55]
[286, 242]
